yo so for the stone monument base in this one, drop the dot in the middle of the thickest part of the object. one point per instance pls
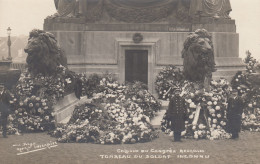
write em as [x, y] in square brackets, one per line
[103, 48]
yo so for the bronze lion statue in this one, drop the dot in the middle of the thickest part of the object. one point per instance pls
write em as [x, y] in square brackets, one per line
[198, 55]
[44, 53]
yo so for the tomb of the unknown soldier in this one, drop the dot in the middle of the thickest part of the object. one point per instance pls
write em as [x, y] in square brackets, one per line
[130, 81]
[135, 39]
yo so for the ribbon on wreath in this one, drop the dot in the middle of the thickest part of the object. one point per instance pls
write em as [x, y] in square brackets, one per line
[197, 114]
[168, 91]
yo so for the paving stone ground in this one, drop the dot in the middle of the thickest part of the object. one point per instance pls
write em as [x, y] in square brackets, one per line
[246, 150]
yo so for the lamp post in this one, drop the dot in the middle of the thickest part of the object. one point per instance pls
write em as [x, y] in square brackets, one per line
[9, 43]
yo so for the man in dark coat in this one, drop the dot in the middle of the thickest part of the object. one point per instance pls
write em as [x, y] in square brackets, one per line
[176, 114]
[5, 97]
[78, 88]
[234, 113]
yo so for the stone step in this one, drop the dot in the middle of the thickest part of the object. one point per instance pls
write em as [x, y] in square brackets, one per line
[158, 118]
[156, 121]
[66, 120]
[64, 108]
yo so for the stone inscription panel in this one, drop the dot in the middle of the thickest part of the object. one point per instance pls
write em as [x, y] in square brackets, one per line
[100, 48]
[180, 28]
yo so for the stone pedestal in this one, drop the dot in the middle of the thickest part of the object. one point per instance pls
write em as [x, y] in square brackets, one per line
[100, 48]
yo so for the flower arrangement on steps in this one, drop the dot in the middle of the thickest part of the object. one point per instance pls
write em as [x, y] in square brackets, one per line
[118, 114]
[251, 63]
[206, 111]
[169, 76]
[34, 97]
[46, 80]
[136, 92]
[248, 82]
[211, 122]
[114, 123]
[91, 84]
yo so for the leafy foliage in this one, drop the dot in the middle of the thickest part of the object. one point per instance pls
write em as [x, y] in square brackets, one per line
[167, 78]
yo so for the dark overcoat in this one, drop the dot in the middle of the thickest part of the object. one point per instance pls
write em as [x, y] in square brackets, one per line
[78, 88]
[176, 113]
[5, 97]
[234, 114]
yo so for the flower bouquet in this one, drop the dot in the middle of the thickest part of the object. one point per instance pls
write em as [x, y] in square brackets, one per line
[136, 92]
[91, 85]
[245, 82]
[32, 103]
[206, 111]
[250, 62]
[32, 114]
[166, 78]
[115, 123]
[251, 115]
[139, 94]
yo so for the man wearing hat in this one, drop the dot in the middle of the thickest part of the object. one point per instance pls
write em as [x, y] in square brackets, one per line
[235, 108]
[5, 97]
[176, 114]
[8, 79]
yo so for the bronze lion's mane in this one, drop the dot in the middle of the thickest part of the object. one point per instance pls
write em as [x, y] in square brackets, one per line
[198, 55]
[44, 53]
